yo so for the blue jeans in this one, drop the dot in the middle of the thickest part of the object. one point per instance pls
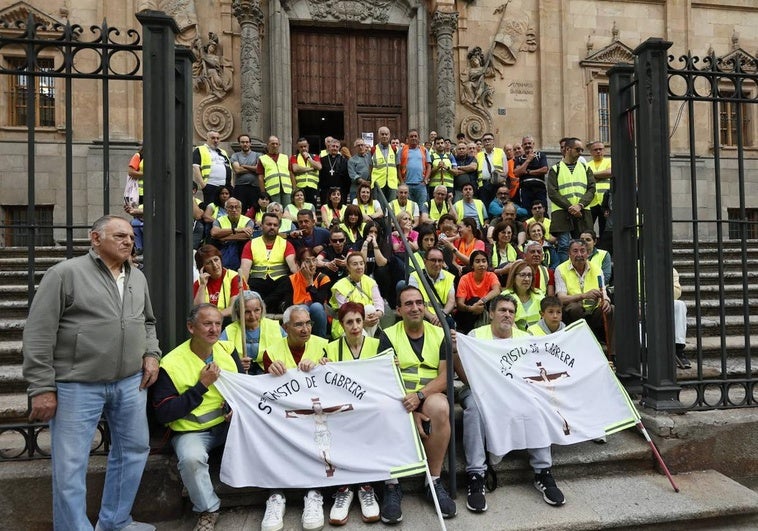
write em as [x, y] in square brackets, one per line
[318, 316]
[192, 452]
[80, 406]
[137, 225]
[417, 193]
[561, 248]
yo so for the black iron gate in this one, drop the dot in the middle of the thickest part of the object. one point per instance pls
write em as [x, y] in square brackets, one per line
[712, 104]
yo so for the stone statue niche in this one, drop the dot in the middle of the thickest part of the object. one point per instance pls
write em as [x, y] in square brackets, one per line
[212, 74]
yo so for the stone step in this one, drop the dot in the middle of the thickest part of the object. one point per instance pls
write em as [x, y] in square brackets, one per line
[685, 245]
[734, 346]
[10, 353]
[14, 309]
[13, 408]
[733, 325]
[15, 278]
[732, 291]
[57, 251]
[11, 379]
[11, 329]
[687, 265]
[712, 307]
[14, 292]
[712, 277]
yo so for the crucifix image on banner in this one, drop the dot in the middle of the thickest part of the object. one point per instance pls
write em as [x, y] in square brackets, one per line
[547, 380]
[322, 437]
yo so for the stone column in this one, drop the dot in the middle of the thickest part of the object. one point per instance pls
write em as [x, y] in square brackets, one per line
[443, 26]
[250, 18]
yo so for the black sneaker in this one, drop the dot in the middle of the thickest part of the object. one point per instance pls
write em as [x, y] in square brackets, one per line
[545, 483]
[447, 505]
[475, 501]
[392, 512]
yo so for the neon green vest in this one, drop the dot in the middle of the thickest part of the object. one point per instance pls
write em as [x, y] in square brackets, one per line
[183, 367]
[268, 263]
[417, 374]
[524, 317]
[308, 179]
[458, 207]
[445, 178]
[276, 174]
[601, 185]
[338, 350]
[442, 287]
[384, 171]
[497, 160]
[270, 332]
[279, 350]
[572, 186]
[574, 285]
[205, 160]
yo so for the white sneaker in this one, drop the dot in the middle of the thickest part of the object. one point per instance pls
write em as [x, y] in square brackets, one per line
[313, 511]
[273, 520]
[342, 500]
[369, 505]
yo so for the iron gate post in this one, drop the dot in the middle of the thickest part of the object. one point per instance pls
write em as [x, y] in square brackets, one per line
[660, 391]
[162, 181]
[624, 212]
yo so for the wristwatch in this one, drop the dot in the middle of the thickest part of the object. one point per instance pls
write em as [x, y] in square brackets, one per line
[421, 397]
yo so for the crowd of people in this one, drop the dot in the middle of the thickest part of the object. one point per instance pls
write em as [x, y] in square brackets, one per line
[308, 237]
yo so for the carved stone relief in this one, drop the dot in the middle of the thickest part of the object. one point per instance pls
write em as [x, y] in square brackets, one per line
[366, 11]
[443, 26]
[212, 74]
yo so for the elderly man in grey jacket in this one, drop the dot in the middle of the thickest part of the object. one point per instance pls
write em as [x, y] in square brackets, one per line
[90, 349]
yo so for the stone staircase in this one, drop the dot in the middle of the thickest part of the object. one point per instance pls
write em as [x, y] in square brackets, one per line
[607, 486]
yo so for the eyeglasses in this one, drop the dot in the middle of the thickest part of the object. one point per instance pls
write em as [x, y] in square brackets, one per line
[233, 207]
[337, 240]
[434, 260]
[302, 324]
[524, 275]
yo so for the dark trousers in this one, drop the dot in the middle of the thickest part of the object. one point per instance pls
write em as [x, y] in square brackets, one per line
[247, 194]
[273, 292]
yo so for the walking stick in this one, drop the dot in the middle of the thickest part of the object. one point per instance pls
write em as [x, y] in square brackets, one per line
[606, 326]
[657, 455]
[241, 317]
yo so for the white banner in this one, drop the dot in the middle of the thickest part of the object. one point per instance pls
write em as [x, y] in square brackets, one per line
[537, 391]
[339, 424]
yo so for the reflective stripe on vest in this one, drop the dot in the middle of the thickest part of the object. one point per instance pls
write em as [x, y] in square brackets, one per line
[267, 263]
[276, 174]
[280, 351]
[458, 207]
[601, 185]
[417, 374]
[571, 186]
[384, 172]
[205, 160]
[496, 160]
[352, 292]
[575, 285]
[510, 256]
[308, 179]
[598, 257]
[544, 278]
[446, 178]
[226, 290]
[442, 287]
[183, 366]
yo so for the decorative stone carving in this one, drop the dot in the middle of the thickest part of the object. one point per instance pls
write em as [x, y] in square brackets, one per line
[212, 74]
[20, 12]
[443, 26]
[476, 91]
[615, 52]
[366, 11]
[250, 17]
[183, 11]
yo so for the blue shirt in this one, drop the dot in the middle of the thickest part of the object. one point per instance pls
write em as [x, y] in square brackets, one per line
[414, 167]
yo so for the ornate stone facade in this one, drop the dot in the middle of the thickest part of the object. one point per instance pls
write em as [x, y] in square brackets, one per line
[250, 17]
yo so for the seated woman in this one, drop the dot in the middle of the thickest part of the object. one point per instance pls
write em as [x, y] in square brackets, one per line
[310, 288]
[298, 204]
[406, 225]
[504, 252]
[380, 263]
[333, 211]
[215, 284]
[536, 232]
[467, 242]
[352, 345]
[358, 287]
[256, 211]
[260, 331]
[215, 209]
[475, 290]
[520, 284]
[427, 239]
[286, 224]
[369, 208]
[353, 226]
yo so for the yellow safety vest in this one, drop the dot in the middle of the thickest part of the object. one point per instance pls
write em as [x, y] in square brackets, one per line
[417, 374]
[510, 256]
[205, 160]
[442, 287]
[601, 185]
[293, 210]
[545, 223]
[270, 332]
[485, 332]
[349, 233]
[445, 178]
[276, 174]
[384, 171]
[572, 186]
[338, 350]
[410, 207]
[525, 318]
[279, 350]
[226, 290]
[497, 160]
[598, 258]
[308, 179]
[537, 330]
[574, 286]
[434, 213]
[183, 367]
[353, 293]
[267, 263]
[225, 223]
[480, 211]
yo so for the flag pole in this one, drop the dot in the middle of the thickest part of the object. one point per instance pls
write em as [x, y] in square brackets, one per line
[606, 327]
[241, 317]
[658, 457]
[434, 496]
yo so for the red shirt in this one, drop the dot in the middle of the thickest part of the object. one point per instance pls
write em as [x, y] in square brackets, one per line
[247, 251]
[214, 289]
